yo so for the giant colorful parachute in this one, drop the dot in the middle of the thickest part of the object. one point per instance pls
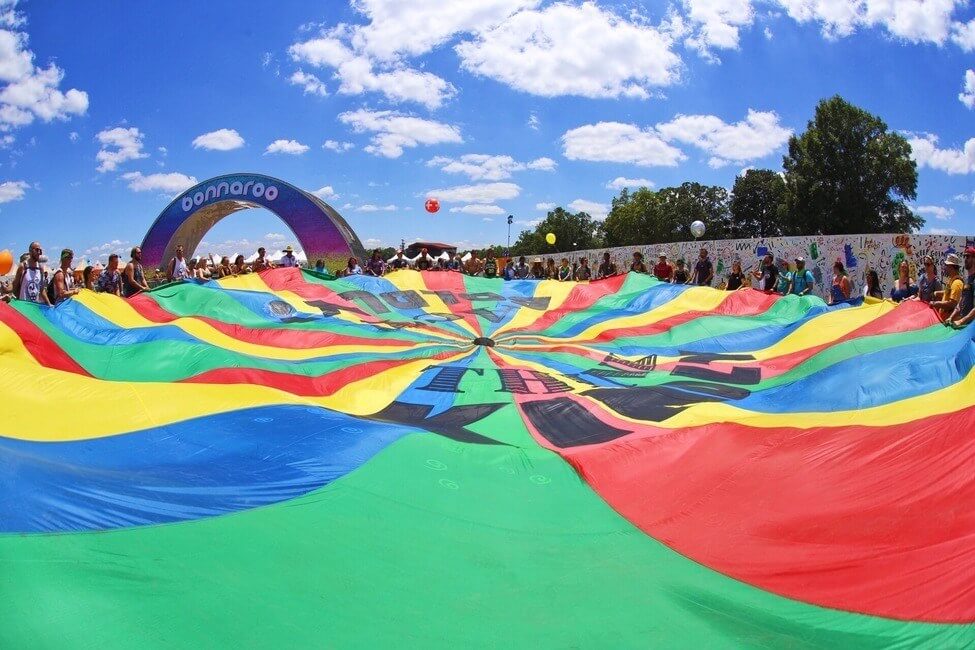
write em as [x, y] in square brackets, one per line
[290, 460]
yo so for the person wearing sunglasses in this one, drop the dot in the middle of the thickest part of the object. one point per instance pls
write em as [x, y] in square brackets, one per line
[928, 282]
[31, 278]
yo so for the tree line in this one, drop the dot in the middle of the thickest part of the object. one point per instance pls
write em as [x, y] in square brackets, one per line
[847, 173]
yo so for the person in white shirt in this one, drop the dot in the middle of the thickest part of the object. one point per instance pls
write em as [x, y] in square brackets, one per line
[289, 258]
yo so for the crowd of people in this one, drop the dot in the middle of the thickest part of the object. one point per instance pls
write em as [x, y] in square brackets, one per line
[951, 294]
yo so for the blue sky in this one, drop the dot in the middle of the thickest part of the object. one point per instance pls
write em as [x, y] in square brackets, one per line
[109, 109]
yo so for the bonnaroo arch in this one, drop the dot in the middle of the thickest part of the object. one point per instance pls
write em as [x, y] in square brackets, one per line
[321, 232]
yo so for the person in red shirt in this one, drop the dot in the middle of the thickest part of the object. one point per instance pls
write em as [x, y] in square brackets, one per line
[662, 270]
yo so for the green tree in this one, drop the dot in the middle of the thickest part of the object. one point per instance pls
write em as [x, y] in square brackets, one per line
[847, 174]
[757, 205]
[572, 230]
[690, 202]
[650, 217]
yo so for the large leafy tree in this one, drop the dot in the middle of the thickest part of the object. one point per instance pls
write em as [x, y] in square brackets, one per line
[572, 230]
[757, 205]
[648, 216]
[848, 174]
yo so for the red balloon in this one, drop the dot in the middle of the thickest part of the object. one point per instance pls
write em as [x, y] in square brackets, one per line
[432, 205]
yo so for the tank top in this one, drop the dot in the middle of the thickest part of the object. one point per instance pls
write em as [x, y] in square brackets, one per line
[836, 291]
[68, 282]
[565, 273]
[180, 272]
[129, 289]
[735, 280]
[490, 269]
[32, 284]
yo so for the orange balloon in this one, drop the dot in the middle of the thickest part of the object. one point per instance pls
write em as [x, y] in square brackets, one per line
[6, 262]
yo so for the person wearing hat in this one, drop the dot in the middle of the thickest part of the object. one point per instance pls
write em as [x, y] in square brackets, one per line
[964, 313]
[662, 270]
[62, 283]
[927, 282]
[289, 258]
[946, 301]
[802, 281]
[538, 269]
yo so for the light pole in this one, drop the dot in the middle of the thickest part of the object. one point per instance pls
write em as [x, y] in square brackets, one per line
[507, 251]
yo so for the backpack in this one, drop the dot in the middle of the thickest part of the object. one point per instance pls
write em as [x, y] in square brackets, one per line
[51, 293]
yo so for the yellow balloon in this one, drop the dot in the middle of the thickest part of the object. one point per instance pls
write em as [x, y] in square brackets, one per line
[550, 238]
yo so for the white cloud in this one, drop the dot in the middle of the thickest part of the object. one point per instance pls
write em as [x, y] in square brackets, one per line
[936, 211]
[545, 206]
[768, 34]
[219, 140]
[758, 135]
[413, 28]
[326, 193]
[369, 207]
[621, 143]
[940, 231]
[336, 146]
[30, 92]
[119, 145]
[291, 147]
[533, 122]
[963, 35]
[967, 95]
[163, 151]
[595, 210]
[171, 183]
[567, 49]
[483, 193]
[274, 236]
[12, 190]
[716, 23]
[311, 84]
[952, 161]
[73, 136]
[394, 131]
[620, 182]
[373, 243]
[358, 73]
[914, 21]
[479, 209]
[482, 167]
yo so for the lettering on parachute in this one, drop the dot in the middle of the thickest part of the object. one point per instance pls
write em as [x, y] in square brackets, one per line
[409, 300]
[565, 422]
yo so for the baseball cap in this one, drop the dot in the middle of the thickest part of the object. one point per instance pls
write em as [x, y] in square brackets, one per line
[800, 259]
[970, 250]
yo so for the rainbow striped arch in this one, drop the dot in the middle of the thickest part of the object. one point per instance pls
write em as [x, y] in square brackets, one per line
[321, 232]
[436, 460]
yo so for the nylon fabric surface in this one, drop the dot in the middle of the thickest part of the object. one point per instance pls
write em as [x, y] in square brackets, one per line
[419, 457]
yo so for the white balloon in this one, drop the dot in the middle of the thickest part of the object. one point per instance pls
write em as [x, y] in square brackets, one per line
[697, 228]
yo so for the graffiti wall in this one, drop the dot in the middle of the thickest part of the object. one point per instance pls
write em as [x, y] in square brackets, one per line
[859, 253]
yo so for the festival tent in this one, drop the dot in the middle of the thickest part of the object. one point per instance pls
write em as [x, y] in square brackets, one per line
[436, 460]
